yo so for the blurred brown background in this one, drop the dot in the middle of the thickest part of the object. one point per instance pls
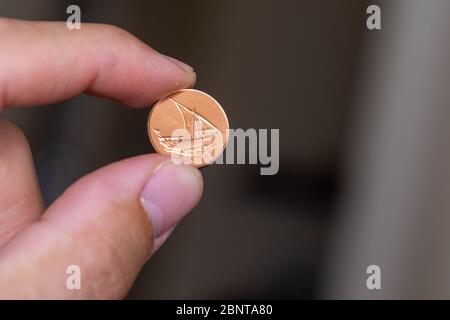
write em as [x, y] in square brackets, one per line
[312, 69]
[271, 64]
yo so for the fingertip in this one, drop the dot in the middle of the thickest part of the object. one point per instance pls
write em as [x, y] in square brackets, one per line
[170, 193]
[142, 83]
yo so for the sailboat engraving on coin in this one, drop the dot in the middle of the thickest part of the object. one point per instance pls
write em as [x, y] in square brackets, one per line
[202, 134]
[189, 124]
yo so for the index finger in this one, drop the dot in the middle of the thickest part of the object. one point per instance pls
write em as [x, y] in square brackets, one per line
[45, 62]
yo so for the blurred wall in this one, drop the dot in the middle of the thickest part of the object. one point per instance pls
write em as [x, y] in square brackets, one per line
[395, 212]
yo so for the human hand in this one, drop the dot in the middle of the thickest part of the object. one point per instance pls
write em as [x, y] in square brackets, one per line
[111, 221]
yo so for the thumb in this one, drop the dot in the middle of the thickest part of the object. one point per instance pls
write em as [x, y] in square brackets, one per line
[108, 224]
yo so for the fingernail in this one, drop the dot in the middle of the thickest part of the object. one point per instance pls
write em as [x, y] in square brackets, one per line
[181, 64]
[188, 76]
[170, 193]
[159, 241]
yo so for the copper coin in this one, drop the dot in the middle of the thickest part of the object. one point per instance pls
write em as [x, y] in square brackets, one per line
[189, 125]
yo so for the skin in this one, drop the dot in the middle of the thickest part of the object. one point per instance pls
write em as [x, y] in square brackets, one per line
[99, 222]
